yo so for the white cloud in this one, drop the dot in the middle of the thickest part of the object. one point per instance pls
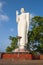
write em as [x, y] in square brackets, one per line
[4, 17]
[1, 5]
[11, 29]
[31, 16]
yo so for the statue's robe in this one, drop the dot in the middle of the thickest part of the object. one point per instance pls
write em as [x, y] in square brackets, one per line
[23, 26]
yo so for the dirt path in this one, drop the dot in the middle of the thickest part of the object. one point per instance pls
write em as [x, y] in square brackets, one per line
[21, 62]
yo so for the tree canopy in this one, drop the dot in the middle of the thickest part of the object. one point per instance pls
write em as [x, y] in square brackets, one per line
[35, 36]
[13, 44]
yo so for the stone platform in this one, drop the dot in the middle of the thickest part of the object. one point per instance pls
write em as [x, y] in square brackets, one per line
[17, 55]
[20, 56]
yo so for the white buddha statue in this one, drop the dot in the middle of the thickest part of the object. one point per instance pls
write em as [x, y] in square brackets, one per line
[23, 27]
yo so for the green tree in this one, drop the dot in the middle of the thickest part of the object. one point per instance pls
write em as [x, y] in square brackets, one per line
[35, 35]
[40, 48]
[13, 44]
[8, 49]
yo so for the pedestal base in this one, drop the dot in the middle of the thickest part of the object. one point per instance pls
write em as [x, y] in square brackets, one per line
[17, 56]
[20, 50]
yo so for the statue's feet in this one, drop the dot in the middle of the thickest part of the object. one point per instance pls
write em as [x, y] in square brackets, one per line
[20, 50]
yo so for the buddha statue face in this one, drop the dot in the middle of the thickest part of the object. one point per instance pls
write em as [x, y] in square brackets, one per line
[22, 10]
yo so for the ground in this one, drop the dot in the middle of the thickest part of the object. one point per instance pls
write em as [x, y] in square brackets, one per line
[20, 62]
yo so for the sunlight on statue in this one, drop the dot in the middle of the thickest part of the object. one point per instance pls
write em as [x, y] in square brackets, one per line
[23, 26]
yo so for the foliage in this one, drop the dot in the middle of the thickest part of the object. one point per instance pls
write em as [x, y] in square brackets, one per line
[35, 35]
[40, 48]
[13, 44]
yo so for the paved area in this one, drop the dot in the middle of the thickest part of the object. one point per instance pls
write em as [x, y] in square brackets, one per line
[20, 62]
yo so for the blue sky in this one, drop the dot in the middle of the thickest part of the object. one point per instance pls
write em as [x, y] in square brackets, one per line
[8, 25]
